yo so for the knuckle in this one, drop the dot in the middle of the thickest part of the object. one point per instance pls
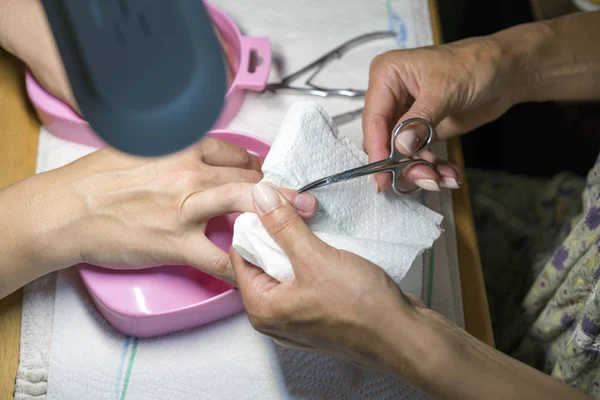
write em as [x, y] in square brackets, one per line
[209, 174]
[383, 63]
[187, 180]
[283, 222]
[261, 317]
[227, 194]
[424, 112]
[254, 176]
[210, 145]
[245, 158]
[257, 323]
[376, 61]
[380, 60]
[220, 265]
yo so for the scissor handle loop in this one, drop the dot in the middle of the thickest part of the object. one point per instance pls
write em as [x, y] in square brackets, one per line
[394, 151]
[395, 154]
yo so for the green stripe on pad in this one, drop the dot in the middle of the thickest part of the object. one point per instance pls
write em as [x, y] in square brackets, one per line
[129, 367]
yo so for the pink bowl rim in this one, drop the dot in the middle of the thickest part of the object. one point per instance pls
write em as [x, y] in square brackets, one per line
[41, 98]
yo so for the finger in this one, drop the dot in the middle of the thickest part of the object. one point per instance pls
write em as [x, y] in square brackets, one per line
[207, 257]
[224, 175]
[237, 197]
[422, 175]
[286, 344]
[222, 154]
[251, 281]
[461, 123]
[385, 92]
[450, 175]
[287, 228]
[414, 300]
[427, 106]
[306, 204]
[445, 175]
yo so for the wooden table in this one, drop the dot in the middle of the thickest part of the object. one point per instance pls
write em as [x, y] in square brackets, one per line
[18, 146]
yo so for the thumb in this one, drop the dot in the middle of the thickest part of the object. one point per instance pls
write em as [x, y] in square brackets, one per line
[428, 106]
[285, 226]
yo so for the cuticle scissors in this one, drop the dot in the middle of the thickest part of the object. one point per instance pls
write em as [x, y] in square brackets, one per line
[395, 163]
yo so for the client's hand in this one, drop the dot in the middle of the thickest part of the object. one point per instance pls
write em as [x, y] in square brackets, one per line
[116, 210]
[338, 303]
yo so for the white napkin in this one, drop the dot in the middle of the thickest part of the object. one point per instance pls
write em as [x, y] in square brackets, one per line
[386, 229]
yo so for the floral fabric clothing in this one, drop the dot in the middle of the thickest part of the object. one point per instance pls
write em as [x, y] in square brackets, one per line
[540, 248]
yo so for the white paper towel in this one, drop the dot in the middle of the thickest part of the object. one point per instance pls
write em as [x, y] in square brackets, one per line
[386, 229]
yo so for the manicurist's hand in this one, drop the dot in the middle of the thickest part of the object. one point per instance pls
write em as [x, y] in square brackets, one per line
[455, 87]
[338, 303]
[462, 85]
[342, 305]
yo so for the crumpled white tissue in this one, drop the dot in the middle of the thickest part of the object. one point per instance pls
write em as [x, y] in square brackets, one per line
[386, 229]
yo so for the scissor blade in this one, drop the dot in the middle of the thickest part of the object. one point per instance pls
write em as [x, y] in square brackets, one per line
[323, 182]
[379, 166]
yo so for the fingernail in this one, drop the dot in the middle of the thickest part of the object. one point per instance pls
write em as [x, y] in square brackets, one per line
[449, 183]
[374, 183]
[408, 139]
[265, 197]
[427, 184]
[305, 202]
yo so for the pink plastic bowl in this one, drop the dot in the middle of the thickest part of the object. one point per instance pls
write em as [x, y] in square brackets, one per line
[250, 57]
[165, 299]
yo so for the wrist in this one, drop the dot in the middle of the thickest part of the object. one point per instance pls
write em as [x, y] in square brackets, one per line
[31, 245]
[47, 215]
[519, 47]
[448, 363]
[436, 356]
[418, 346]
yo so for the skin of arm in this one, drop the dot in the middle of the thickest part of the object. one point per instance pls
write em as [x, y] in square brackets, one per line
[452, 364]
[559, 59]
[30, 245]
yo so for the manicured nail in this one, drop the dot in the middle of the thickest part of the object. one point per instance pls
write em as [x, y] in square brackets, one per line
[409, 140]
[449, 183]
[305, 202]
[428, 184]
[374, 183]
[265, 197]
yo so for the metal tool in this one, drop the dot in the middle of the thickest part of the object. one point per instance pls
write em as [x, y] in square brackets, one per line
[318, 65]
[395, 163]
[347, 117]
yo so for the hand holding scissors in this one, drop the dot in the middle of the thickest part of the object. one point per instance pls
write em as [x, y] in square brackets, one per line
[396, 163]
